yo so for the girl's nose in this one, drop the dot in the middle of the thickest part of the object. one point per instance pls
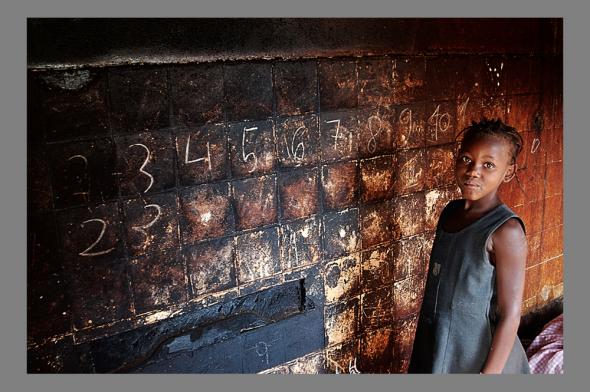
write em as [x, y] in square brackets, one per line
[472, 171]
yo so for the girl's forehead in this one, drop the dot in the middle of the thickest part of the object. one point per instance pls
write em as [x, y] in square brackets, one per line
[492, 144]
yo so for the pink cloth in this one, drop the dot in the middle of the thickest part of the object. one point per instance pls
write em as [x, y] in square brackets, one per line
[546, 351]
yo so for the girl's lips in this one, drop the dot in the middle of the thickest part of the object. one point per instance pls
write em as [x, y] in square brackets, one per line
[470, 185]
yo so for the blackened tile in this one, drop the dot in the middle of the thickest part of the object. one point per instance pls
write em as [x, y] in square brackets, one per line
[376, 82]
[91, 235]
[377, 268]
[440, 164]
[258, 255]
[48, 307]
[376, 308]
[441, 122]
[340, 184]
[298, 191]
[295, 87]
[343, 358]
[342, 278]
[377, 178]
[523, 74]
[492, 107]
[410, 171]
[404, 331]
[56, 356]
[139, 99]
[522, 111]
[409, 213]
[83, 172]
[196, 92]
[35, 97]
[341, 321]
[211, 266]
[300, 243]
[39, 194]
[409, 75]
[206, 212]
[441, 75]
[341, 232]
[100, 294]
[151, 223]
[338, 85]
[377, 224]
[43, 258]
[407, 257]
[435, 201]
[339, 135]
[377, 132]
[410, 126]
[297, 140]
[407, 295]
[252, 148]
[248, 91]
[255, 202]
[486, 77]
[73, 103]
[158, 281]
[202, 155]
[377, 351]
[146, 162]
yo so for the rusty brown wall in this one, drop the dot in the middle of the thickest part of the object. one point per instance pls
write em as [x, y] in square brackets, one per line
[156, 187]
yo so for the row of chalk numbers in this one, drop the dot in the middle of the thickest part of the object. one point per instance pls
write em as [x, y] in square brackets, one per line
[89, 252]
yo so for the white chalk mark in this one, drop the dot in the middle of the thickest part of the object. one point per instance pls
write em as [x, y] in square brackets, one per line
[336, 136]
[81, 157]
[338, 369]
[78, 156]
[352, 369]
[372, 144]
[294, 247]
[300, 145]
[441, 122]
[144, 164]
[246, 157]
[206, 217]
[142, 229]
[535, 145]
[463, 106]
[102, 252]
[186, 154]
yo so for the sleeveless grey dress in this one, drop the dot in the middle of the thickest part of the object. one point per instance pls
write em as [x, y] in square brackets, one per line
[459, 310]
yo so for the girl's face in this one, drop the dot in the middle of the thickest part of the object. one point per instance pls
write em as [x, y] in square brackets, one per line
[482, 165]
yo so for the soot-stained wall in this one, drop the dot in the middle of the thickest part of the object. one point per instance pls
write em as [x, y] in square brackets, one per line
[237, 210]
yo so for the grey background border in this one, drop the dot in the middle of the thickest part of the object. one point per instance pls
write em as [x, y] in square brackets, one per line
[13, 375]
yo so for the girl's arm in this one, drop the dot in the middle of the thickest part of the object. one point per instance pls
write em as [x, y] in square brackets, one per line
[508, 249]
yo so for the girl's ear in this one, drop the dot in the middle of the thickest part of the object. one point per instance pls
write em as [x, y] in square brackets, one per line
[511, 172]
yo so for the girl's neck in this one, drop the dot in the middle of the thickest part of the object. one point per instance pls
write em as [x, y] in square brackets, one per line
[482, 206]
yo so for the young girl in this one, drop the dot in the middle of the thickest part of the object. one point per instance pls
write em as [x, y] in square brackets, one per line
[471, 308]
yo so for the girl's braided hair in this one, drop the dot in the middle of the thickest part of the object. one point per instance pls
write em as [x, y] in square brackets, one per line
[493, 128]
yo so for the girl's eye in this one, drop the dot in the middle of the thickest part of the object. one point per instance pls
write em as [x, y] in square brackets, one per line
[465, 159]
[489, 165]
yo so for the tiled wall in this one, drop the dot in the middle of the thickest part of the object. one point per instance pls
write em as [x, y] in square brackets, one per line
[155, 189]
